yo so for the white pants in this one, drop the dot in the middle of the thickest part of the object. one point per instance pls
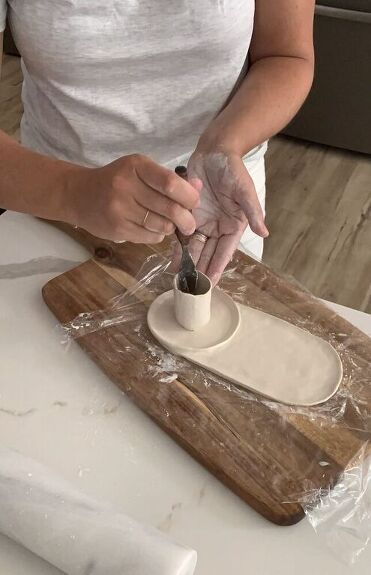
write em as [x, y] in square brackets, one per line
[255, 164]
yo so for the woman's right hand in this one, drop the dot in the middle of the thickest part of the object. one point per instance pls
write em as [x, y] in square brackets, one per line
[132, 199]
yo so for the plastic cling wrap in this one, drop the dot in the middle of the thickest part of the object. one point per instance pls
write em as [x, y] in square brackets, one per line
[312, 460]
[76, 533]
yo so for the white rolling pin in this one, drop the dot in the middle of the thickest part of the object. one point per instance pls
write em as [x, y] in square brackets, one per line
[75, 533]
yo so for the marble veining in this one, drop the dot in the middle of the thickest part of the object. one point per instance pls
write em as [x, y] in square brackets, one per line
[17, 413]
[166, 524]
[36, 266]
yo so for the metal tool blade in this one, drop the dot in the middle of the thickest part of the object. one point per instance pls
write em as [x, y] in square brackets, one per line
[188, 274]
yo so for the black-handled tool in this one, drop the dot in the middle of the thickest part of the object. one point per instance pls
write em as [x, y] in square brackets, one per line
[188, 274]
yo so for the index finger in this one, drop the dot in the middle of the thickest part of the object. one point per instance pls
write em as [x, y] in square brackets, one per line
[168, 183]
[249, 203]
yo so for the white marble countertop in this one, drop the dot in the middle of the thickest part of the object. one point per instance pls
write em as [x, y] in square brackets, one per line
[56, 406]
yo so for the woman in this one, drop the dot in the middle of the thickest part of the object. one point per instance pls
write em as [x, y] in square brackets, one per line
[117, 93]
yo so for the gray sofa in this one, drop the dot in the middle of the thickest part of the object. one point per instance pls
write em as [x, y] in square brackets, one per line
[338, 109]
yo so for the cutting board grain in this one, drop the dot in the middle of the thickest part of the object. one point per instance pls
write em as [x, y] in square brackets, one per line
[264, 453]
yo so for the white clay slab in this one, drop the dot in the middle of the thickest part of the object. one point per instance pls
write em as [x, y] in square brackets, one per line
[223, 324]
[252, 349]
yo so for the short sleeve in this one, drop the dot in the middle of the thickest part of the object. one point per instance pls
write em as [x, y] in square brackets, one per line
[2, 15]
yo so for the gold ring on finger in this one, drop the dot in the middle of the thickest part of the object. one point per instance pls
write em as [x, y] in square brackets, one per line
[145, 218]
[200, 237]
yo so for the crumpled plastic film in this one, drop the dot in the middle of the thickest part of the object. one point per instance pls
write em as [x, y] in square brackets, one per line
[340, 515]
[127, 307]
[76, 533]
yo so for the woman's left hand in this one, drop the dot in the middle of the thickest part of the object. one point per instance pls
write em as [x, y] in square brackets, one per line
[229, 203]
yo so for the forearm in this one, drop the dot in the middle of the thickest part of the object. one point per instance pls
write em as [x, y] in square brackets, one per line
[34, 184]
[269, 97]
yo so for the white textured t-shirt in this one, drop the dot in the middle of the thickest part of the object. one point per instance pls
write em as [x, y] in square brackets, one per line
[106, 78]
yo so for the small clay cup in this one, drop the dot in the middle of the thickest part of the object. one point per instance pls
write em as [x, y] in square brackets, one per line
[193, 311]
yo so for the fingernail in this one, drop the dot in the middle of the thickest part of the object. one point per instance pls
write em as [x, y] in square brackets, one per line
[196, 183]
[261, 229]
[189, 231]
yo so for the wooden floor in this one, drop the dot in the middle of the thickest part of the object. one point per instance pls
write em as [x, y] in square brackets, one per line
[318, 209]
[319, 216]
[10, 96]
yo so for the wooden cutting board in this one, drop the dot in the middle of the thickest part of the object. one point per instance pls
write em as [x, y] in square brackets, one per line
[264, 454]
